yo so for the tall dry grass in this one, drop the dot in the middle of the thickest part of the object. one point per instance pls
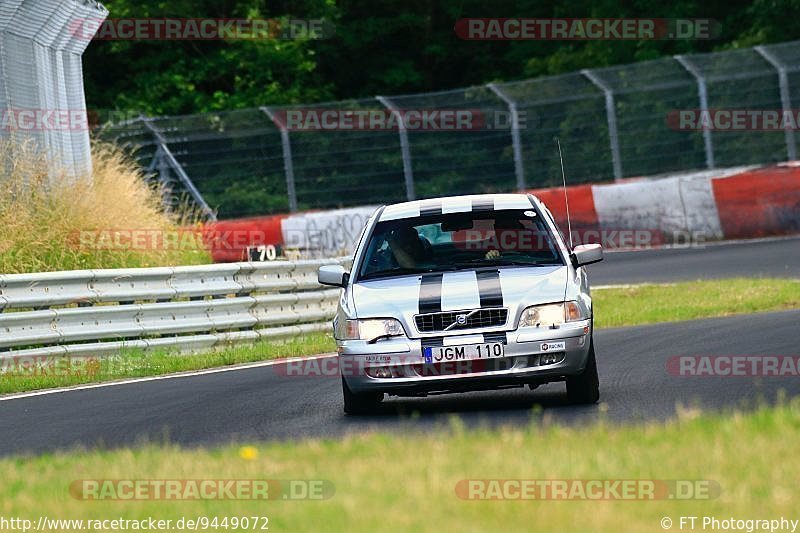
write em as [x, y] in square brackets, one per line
[59, 224]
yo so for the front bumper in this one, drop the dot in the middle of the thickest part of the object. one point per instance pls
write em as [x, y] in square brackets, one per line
[397, 366]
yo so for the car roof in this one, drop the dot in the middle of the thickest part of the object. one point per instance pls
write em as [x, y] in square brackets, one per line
[455, 204]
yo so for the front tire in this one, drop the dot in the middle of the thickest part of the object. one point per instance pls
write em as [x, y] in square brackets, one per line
[584, 388]
[360, 403]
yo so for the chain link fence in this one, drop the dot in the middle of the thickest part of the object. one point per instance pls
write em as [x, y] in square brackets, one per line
[613, 123]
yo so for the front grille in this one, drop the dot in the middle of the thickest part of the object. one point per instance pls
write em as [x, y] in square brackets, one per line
[449, 320]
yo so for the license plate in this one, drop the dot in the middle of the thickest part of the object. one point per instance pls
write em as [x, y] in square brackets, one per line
[467, 352]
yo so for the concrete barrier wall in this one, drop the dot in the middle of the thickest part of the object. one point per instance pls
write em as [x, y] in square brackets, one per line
[760, 202]
[642, 212]
[229, 239]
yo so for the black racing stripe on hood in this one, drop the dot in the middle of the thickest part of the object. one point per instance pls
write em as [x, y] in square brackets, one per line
[430, 293]
[430, 207]
[489, 289]
[483, 205]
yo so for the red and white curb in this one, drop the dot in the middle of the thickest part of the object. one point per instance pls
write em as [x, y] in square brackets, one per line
[738, 203]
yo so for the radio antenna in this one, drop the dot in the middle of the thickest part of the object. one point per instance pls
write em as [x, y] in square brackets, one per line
[566, 196]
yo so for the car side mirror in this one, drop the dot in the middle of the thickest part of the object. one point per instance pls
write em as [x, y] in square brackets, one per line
[586, 254]
[334, 275]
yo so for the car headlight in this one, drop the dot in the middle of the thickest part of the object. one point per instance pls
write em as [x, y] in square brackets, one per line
[546, 316]
[369, 330]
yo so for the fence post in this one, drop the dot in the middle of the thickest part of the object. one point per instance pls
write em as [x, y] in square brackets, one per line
[786, 101]
[702, 92]
[516, 142]
[405, 151]
[288, 164]
[611, 117]
[158, 164]
[164, 155]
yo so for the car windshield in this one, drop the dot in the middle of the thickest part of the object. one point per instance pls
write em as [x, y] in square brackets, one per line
[458, 241]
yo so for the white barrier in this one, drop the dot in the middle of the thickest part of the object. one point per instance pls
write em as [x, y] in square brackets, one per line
[670, 205]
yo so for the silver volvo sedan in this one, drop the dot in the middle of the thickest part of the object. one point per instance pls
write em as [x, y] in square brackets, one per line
[460, 294]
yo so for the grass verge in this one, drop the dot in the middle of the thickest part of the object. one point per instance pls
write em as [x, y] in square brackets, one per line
[649, 304]
[407, 481]
[137, 363]
[613, 308]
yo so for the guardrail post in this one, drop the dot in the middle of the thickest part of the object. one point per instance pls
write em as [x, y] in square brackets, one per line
[786, 101]
[611, 118]
[408, 172]
[288, 164]
[702, 91]
[516, 142]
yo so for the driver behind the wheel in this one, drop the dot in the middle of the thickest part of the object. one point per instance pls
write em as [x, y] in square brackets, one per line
[406, 246]
[507, 233]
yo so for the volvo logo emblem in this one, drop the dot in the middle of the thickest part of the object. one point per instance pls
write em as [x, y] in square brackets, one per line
[461, 320]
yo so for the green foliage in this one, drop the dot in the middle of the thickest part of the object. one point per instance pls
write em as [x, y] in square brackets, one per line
[178, 77]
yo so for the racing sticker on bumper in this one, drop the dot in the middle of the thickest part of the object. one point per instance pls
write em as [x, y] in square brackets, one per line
[553, 346]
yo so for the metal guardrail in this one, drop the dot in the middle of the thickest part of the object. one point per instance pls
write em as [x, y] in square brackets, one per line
[101, 312]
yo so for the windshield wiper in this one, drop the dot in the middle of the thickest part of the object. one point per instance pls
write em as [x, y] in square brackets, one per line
[406, 272]
[393, 272]
[502, 263]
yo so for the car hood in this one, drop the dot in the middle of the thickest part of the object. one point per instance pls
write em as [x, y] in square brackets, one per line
[513, 287]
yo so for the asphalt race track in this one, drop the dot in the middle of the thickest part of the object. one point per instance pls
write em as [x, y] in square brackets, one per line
[761, 258]
[262, 404]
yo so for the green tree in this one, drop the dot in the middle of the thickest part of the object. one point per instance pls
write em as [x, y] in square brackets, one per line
[173, 77]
